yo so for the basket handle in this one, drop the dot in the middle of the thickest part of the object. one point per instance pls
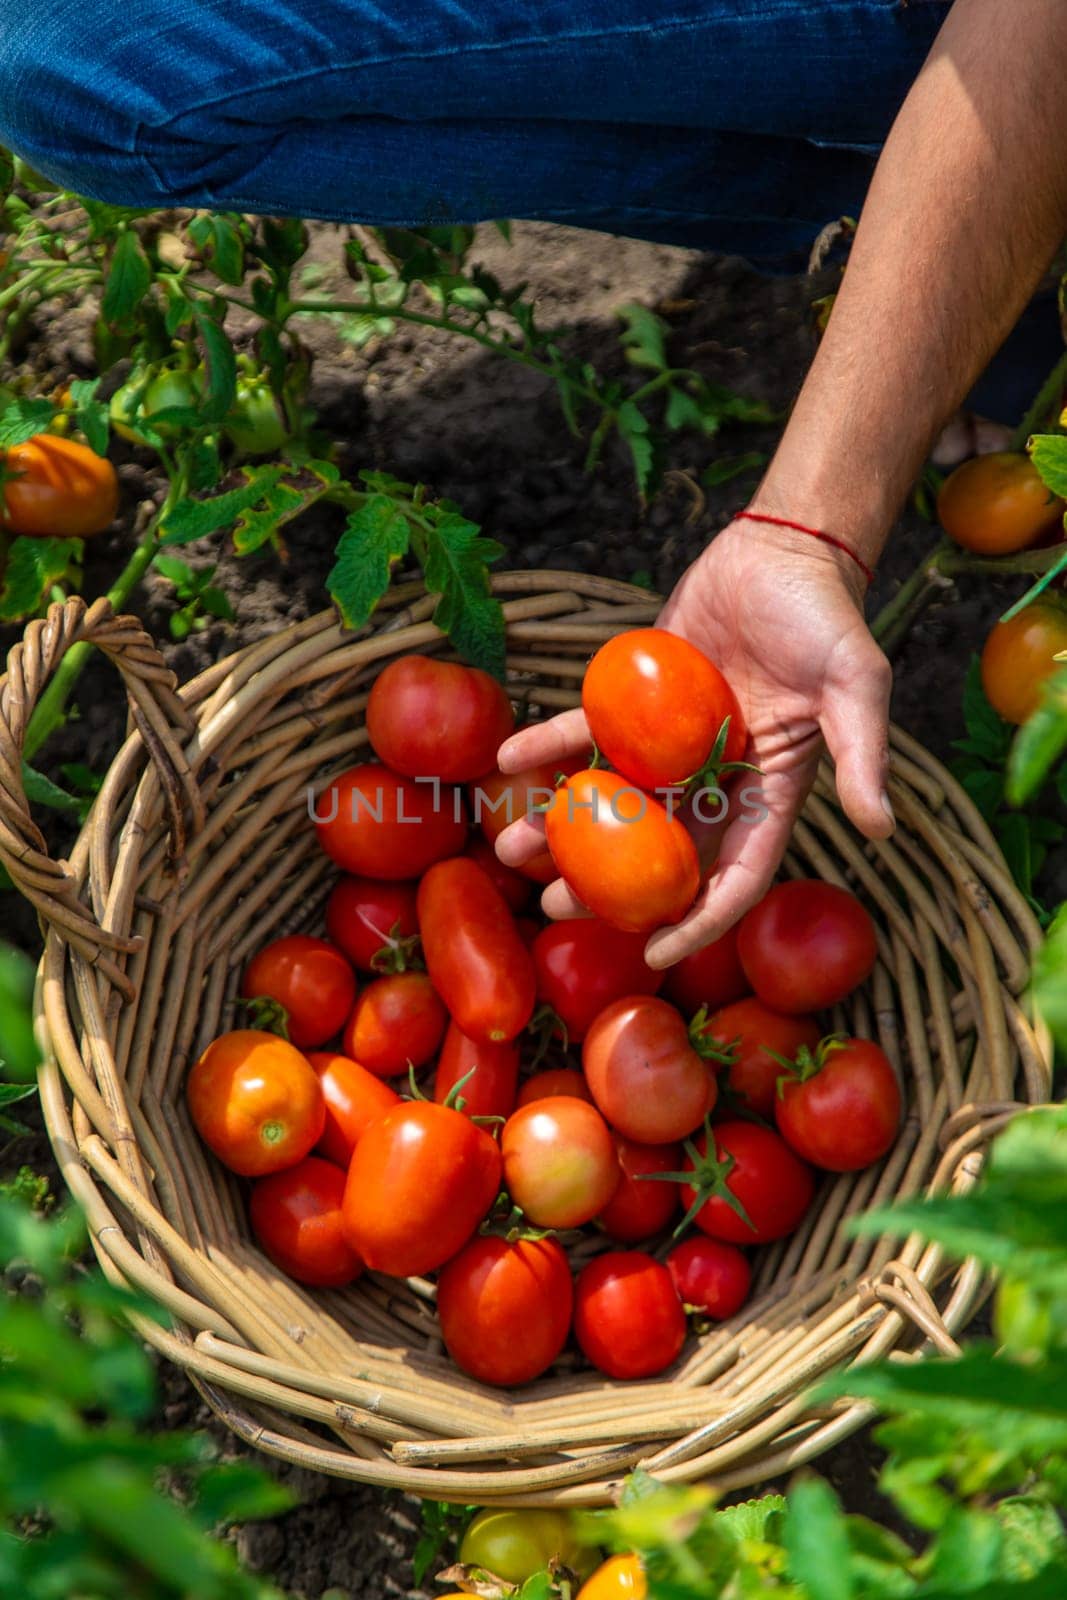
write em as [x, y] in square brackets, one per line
[157, 714]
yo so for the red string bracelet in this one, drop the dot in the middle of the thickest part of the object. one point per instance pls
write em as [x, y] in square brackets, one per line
[814, 533]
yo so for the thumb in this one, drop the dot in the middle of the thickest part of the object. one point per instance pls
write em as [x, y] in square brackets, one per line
[855, 724]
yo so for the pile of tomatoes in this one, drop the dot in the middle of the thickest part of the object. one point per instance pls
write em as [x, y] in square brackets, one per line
[571, 1094]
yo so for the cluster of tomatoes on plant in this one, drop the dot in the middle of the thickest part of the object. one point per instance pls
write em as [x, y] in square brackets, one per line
[487, 1172]
[998, 505]
[512, 1546]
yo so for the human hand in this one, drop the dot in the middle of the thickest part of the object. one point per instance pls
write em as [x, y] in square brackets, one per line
[781, 616]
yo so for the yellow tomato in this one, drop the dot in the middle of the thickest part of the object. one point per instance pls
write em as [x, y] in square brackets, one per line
[620, 1578]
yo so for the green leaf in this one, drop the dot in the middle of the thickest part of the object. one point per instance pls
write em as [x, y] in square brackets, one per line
[33, 567]
[727, 467]
[220, 368]
[21, 419]
[1033, 1536]
[128, 280]
[375, 536]
[196, 519]
[967, 1551]
[41, 791]
[683, 411]
[753, 1519]
[455, 566]
[177, 572]
[816, 1542]
[633, 428]
[1040, 742]
[1048, 452]
[1050, 978]
[643, 339]
[227, 251]
[90, 414]
[991, 734]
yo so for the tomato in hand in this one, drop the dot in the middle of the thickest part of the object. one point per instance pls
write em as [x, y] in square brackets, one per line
[711, 1277]
[513, 1545]
[583, 965]
[1018, 656]
[58, 488]
[628, 1318]
[366, 918]
[505, 1308]
[643, 1203]
[476, 959]
[354, 1099]
[997, 504]
[397, 1022]
[554, 1081]
[435, 719]
[255, 1102]
[842, 1109]
[420, 1181]
[708, 978]
[296, 1216]
[620, 1578]
[644, 1073]
[806, 945]
[770, 1188]
[750, 1036]
[500, 798]
[309, 979]
[624, 857]
[375, 823]
[560, 1165]
[656, 707]
[491, 1091]
[512, 885]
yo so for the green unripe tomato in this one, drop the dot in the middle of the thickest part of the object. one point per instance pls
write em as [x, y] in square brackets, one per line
[254, 424]
[516, 1544]
[133, 407]
[18, 1048]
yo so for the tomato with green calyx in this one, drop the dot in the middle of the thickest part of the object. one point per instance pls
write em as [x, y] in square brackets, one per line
[505, 1308]
[620, 1578]
[806, 945]
[754, 1041]
[583, 965]
[437, 719]
[296, 1217]
[648, 1075]
[1020, 654]
[840, 1106]
[369, 919]
[560, 1165]
[624, 857]
[420, 1181]
[475, 957]
[554, 1081]
[628, 1319]
[712, 1278]
[660, 711]
[489, 1074]
[742, 1183]
[310, 980]
[513, 1545]
[354, 1099]
[374, 823]
[143, 404]
[254, 424]
[996, 504]
[642, 1203]
[57, 488]
[255, 1102]
[397, 1022]
[708, 978]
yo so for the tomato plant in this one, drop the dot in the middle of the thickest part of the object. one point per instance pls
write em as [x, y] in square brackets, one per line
[513, 1545]
[375, 823]
[354, 1099]
[711, 1277]
[397, 1022]
[1019, 655]
[367, 918]
[475, 957]
[505, 1308]
[656, 707]
[640, 1206]
[255, 1102]
[491, 1072]
[753, 1039]
[560, 1165]
[309, 979]
[435, 719]
[628, 1318]
[625, 858]
[58, 488]
[554, 1081]
[996, 504]
[644, 1072]
[744, 1184]
[296, 1216]
[840, 1108]
[583, 965]
[806, 945]
[708, 978]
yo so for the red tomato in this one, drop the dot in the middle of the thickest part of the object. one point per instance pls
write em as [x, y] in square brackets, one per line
[505, 1308]
[296, 1216]
[310, 979]
[500, 798]
[656, 706]
[421, 1180]
[644, 1073]
[710, 1277]
[58, 489]
[628, 1319]
[806, 945]
[642, 1205]
[255, 1102]
[843, 1111]
[624, 857]
[491, 1091]
[749, 1031]
[512, 885]
[365, 917]
[554, 1081]
[354, 1099]
[766, 1179]
[1020, 654]
[583, 965]
[996, 504]
[528, 930]
[435, 719]
[377, 824]
[398, 1022]
[710, 977]
[479, 965]
[560, 1164]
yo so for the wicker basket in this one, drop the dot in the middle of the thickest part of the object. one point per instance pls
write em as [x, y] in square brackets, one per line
[198, 849]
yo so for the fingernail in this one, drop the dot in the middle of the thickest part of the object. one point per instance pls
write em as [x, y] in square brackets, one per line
[887, 807]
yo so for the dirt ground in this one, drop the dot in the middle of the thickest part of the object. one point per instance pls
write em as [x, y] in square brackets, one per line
[490, 436]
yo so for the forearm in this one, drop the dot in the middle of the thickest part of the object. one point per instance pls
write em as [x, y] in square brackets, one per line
[967, 208]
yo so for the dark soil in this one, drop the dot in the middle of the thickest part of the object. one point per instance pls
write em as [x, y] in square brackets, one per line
[490, 436]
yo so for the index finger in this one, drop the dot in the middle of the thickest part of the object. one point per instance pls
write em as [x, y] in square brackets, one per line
[557, 739]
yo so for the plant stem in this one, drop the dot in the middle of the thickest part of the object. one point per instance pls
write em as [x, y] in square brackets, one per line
[1048, 396]
[936, 570]
[897, 615]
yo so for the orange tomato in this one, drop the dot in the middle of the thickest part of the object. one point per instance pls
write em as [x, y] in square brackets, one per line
[620, 1578]
[58, 488]
[255, 1102]
[1018, 657]
[997, 504]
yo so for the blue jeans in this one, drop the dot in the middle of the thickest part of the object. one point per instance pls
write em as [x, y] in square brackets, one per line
[732, 125]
